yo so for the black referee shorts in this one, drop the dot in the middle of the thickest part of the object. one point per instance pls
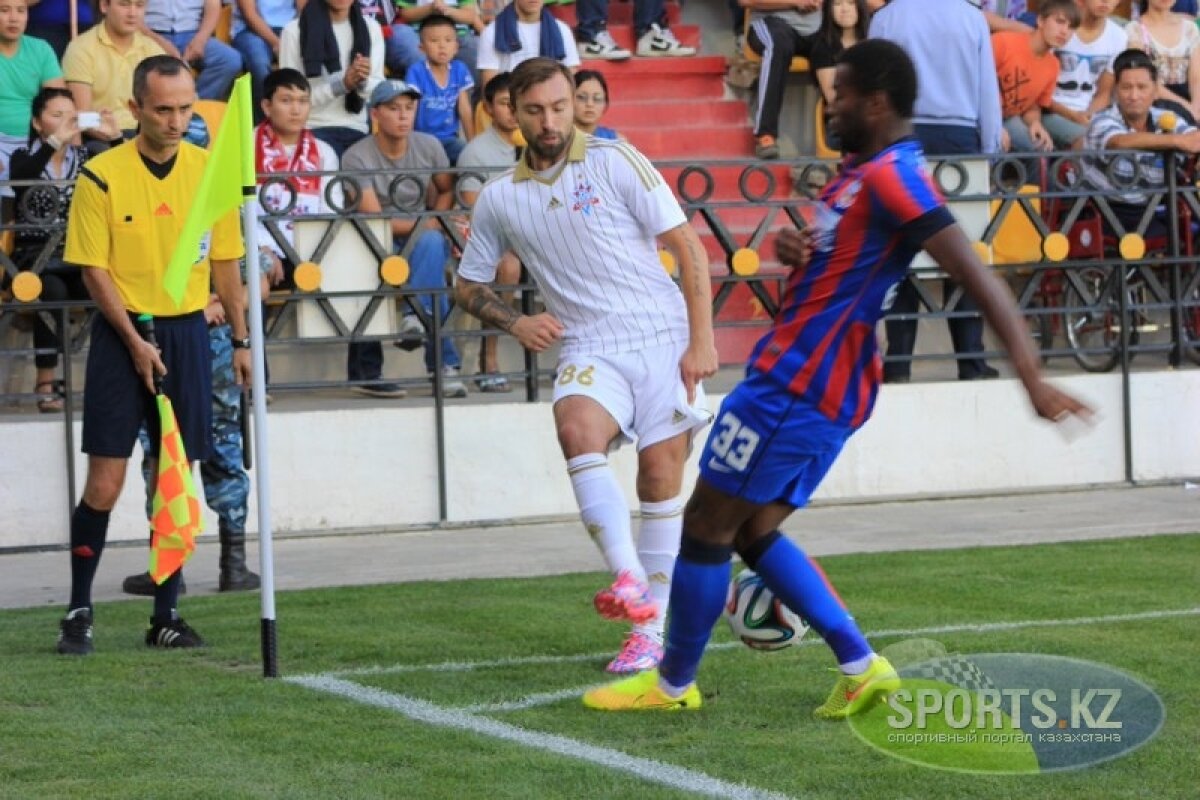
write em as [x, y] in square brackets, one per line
[115, 403]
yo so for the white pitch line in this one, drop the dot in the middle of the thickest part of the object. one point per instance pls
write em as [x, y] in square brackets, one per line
[643, 768]
[979, 627]
[529, 701]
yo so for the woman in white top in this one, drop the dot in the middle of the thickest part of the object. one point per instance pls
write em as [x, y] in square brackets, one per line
[1171, 40]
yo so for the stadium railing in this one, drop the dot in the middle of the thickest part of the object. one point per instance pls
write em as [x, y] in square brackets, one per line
[1095, 293]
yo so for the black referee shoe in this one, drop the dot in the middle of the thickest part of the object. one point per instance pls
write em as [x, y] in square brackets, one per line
[143, 585]
[172, 633]
[75, 633]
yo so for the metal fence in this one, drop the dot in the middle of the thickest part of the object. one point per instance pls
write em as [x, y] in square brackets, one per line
[1095, 287]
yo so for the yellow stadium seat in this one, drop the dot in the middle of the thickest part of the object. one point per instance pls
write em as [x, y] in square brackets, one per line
[1018, 240]
[483, 120]
[224, 31]
[823, 150]
[799, 63]
[212, 111]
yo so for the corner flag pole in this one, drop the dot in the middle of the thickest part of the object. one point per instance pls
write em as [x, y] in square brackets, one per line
[266, 556]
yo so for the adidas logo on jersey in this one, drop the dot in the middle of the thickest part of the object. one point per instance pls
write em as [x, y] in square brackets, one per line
[163, 210]
[678, 417]
[554, 203]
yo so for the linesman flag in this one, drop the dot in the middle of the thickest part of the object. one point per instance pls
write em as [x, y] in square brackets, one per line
[230, 167]
[175, 517]
[175, 507]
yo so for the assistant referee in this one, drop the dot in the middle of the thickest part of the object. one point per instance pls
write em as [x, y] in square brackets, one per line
[128, 211]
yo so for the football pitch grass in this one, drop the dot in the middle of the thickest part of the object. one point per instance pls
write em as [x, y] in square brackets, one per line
[470, 689]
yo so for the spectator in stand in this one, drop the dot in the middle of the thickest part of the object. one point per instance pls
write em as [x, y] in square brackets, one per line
[1132, 123]
[778, 32]
[99, 64]
[650, 29]
[1028, 72]
[184, 29]
[27, 65]
[523, 30]
[256, 27]
[396, 149]
[843, 23]
[1189, 7]
[445, 84]
[341, 53]
[1171, 40]
[50, 21]
[52, 153]
[491, 151]
[957, 112]
[1007, 15]
[591, 101]
[284, 143]
[404, 45]
[1085, 78]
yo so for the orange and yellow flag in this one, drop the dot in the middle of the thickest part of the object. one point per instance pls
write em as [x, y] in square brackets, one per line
[175, 517]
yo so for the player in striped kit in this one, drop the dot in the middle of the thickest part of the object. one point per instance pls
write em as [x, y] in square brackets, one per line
[812, 381]
[582, 214]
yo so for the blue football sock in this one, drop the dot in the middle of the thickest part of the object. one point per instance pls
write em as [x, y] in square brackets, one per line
[698, 590]
[798, 581]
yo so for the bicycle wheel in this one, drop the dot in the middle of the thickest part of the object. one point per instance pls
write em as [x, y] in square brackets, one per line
[1091, 318]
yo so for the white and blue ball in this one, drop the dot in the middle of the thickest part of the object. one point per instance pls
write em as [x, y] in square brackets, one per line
[759, 618]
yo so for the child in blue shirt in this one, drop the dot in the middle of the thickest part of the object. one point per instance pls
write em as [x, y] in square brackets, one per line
[445, 85]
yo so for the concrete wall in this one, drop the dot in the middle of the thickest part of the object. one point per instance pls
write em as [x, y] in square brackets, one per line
[375, 468]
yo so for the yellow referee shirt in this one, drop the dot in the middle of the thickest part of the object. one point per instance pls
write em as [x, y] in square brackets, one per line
[125, 220]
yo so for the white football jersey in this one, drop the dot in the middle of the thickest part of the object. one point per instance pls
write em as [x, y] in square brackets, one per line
[586, 231]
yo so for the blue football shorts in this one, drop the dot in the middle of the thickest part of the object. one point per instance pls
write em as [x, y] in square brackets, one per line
[767, 445]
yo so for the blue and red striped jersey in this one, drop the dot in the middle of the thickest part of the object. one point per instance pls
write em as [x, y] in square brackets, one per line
[869, 223]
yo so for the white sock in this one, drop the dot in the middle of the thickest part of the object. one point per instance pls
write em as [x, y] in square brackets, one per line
[668, 689]
[858, 666]
[658, 545]
[604, 511]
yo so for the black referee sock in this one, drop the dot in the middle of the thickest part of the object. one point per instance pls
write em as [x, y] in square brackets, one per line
[89, 529]
[166, 598]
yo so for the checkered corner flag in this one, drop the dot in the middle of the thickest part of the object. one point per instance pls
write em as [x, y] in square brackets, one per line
[175, 518]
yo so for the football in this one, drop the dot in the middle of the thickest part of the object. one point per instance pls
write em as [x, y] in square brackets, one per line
[759, 619]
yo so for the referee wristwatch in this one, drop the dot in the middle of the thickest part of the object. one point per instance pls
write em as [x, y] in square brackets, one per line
[241, 344]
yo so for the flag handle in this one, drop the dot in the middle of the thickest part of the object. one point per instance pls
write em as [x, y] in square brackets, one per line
[244, 421]
[145, 327]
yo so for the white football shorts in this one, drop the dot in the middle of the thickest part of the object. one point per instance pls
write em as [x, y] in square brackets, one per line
[642, 390]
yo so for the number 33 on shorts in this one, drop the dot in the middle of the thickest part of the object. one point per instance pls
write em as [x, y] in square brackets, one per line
[732, 444]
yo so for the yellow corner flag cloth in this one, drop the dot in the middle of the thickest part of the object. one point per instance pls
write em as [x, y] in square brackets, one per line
[175, 508]
[230, 168]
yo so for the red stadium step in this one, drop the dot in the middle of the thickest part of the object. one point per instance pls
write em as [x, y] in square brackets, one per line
[700, 143]
[618, 14]
[665, 69]
[682, 113]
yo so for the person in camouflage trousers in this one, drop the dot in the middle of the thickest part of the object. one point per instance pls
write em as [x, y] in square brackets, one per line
[226, 484]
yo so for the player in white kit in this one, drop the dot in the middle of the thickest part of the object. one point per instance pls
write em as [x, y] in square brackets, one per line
[583, 214]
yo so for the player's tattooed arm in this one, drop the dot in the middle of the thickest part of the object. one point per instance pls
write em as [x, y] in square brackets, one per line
[481, 301]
